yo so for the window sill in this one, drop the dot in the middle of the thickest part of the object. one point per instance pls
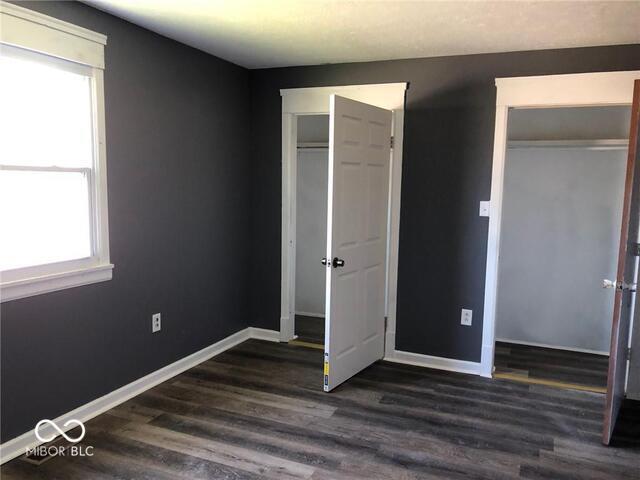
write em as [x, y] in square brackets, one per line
[50, 283]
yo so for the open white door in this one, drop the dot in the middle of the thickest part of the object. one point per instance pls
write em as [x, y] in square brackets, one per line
[359, 155]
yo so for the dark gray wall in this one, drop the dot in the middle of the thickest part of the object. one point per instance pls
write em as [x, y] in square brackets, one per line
[449, 123]
[176, 124]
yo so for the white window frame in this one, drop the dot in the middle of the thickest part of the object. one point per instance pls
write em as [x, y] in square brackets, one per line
[571, 90]
[33, 32]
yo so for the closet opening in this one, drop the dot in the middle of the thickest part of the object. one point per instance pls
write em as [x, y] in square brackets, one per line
[312, 175]
[564, 183]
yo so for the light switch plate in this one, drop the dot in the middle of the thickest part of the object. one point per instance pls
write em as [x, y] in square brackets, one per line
[484, 208]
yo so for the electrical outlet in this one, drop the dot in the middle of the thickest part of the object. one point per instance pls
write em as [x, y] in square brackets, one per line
[465, 317]
[156, 323]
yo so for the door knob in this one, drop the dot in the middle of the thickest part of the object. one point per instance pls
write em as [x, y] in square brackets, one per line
[337, 262]
[631, 287]
[324, 261]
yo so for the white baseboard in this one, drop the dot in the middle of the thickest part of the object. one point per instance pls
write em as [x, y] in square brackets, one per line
[264, 334]
[439, 363]
[555, 347]
[17, 446]
[310, 314]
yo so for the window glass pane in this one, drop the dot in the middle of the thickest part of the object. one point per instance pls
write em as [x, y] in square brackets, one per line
[45, 114]
[44, 218]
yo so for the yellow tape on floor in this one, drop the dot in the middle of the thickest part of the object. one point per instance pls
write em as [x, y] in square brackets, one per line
[300, 343]
[549, 383]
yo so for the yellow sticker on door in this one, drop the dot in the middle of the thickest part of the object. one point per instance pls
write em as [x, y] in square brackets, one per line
[326, 371]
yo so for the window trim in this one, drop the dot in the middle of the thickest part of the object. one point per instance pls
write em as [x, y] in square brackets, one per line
[32, 31]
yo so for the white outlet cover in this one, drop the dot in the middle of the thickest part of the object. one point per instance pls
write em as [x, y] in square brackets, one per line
[465, 317]
[156, 323]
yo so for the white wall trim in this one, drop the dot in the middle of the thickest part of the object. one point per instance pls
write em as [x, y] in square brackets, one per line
[17, 446]
[288, 251]
[315, 101]
[602, 88]
[54, 282]
[52, 22]
[554, 347]
[438, 363]
[35, 31]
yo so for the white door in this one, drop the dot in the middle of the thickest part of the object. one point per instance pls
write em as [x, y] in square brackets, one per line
[359, 155]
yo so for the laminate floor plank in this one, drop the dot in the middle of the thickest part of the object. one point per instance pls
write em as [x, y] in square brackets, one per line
[219, 452]
[586, 369]
[234, 432]
[258, 411]
[436, 420]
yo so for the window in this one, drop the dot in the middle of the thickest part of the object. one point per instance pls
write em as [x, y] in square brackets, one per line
[53, 218]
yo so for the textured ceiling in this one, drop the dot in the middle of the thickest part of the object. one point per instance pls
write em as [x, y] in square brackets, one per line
[260, 33]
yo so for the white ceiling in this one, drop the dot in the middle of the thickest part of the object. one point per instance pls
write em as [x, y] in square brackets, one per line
[261, 33]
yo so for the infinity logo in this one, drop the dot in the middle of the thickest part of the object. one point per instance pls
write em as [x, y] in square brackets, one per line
[74, 422]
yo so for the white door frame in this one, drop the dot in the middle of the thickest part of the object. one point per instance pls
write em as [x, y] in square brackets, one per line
[582, 89]
[315, 101]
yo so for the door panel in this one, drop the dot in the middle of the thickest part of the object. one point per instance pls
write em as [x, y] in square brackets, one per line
[349, 215]
[376, 179]
[359, 156]
[627, 276]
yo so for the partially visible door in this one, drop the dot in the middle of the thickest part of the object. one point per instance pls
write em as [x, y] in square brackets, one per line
[359, 157]
[633, 383]
[627, 277]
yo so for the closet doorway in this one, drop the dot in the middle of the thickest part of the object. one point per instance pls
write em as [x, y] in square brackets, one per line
[312, 174]
[360, 260]
[602, 89]
[563, 193]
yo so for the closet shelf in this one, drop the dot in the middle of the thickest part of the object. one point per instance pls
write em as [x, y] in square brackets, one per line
[596, 144]
[313, 144]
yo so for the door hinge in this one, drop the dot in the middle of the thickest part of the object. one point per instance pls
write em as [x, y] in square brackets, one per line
[635, 249]
[386, 322]
[629, 353]
[391, 141]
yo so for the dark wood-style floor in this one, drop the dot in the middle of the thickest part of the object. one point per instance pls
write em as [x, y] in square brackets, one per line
[310, 329]
[258, 411]
[576, 368]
